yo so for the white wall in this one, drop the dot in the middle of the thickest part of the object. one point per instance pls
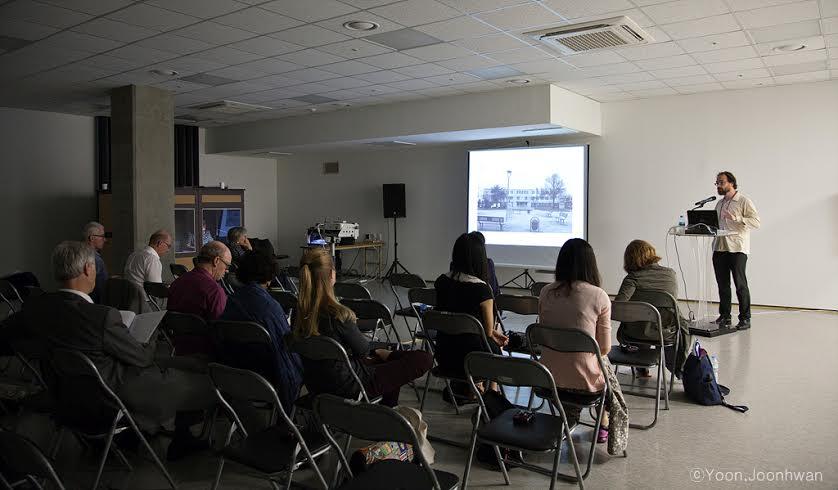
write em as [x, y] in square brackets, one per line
[257, 176]
[47, 188]
[655, 157]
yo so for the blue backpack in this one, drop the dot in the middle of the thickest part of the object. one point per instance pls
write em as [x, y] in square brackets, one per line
[700, 382]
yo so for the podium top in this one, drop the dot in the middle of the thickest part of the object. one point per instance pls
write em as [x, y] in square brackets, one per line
[681, 231]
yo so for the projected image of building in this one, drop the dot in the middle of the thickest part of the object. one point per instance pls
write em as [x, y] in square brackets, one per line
[544, 209]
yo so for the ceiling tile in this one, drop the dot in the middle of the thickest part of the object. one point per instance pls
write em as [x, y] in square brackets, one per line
[476, 6]
[39, 13]
[456, 28]
[543, 66]
[79, 42]
[782, 32]
[311, 75]
[402, 39]
[422, 71]
[117, 31]
[780, 14]
[351, 67]
[391, 60]
[814, 76]
[573, 9]
[21, 29]
[438, 52]
[716, 41]
[416, 12]
[384, 25]
[277, 81]
[603, 57]
[343, 95]
[636, 15]
[798, 68]
[683, 71]
[737, 65]
[93, 7]
[257, 20]
[737, 5]
[613, 69]
[654, 92]
[310, 57]
[642, 85]
[377, 90]
[521, 55]
[645, 52]
[810, 43]
[667, 13]
[266, 46]
[521, 17]
[626, 78]
[748, 83]
[354, 48]
[309, 10]
[741, 75]
[452, 79]
[152, 17]
[271, 65]
[469, 63]
[179, 86]
[702, 27]
[440, 91]
[367, 4]
[175, 44]
[385, 76]
[667, 62]
[344, 83]
[491, 43]
[204, 9]
[657, 34]
[703, 87]
[728, 54]
[412, 85]
[238, 73]
[310, 36]
[188, 65]
[830, 25]
[614, 97]
[795, 58]
[214, 33]
[149, 55]
[691, 80]
[112, 63]
[228, 56]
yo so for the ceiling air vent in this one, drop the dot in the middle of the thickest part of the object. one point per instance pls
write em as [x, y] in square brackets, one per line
[331, 168]
[590, 36]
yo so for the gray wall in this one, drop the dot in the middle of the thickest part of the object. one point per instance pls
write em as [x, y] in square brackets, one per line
[47, 188]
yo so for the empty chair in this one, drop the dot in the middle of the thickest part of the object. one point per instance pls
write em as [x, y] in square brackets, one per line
[379, 423]
[157, 293]
[87, 407]
[544, 433]
[520, 305]
[123, 294]
[21, 456]
[351, 290]
[406, 281]
[427, 297]
[536, 288]
[188, 335]
[372, 315]
[280, 448]
[177, 270]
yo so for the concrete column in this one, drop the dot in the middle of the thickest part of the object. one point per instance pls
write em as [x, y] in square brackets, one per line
[142, 169]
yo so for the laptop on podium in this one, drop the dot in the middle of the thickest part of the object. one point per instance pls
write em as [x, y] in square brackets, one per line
[702, 222]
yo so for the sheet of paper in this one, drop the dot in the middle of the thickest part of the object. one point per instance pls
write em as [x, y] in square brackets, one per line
[127, 317]
[145, 324]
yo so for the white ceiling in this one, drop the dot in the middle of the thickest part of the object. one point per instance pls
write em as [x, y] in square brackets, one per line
[64, 55]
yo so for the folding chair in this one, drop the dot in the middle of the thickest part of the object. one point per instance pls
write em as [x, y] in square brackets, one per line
[450, 324]
[637, 311]
[21, 456]
[372, 315]
[351, 290]
[546, 431]
[178, 270]
[407, 281]
[379, 423]
[520, 305]
[123, 294]
[286, 299]
[157, 293]
[245, 345]
[536, 288]
[10, 299]
[422, 296]
[271, 451]
[87, 407]
[570, 340]
[182, 329]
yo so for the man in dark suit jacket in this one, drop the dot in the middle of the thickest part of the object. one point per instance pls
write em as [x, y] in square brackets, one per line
[69, 319]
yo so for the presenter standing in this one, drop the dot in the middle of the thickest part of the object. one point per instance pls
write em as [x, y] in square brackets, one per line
[730, 253]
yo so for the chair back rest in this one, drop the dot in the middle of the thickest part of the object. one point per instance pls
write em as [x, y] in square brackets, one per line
[123, 294]
[351, 290]
[422, 295]
[83, 399]
[20, 455]
[7, 308]
[238, 384]
[666, 304]
[454, 324]
[156, 289]
[406, 280]
[245, 345]
[324, 348]
[10, 299]
[178, 270]
[286, 299]
[522, 305]
[536, 287]
[634, 311]
[561, 339]
[508, 371]
[177, 324]
[369, 309]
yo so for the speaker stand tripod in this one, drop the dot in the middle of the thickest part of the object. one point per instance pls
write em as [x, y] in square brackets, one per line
[528, 280]
[396, 267]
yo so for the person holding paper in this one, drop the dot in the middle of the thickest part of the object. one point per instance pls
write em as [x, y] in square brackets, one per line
[69, 319]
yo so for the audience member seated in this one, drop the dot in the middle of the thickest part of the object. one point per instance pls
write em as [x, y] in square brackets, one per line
[252, 303]
[206, 236]
[640, 262]
[464, 289]
[575, 300]
[238, 242]
[69, 319]
[144, 264]
[382, 372]
[94, 235]
[490, 266]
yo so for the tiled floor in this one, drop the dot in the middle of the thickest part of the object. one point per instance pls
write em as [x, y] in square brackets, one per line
[784, 369]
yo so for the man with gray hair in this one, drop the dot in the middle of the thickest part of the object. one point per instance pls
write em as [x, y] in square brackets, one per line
[68, 318]
[94, 235]
[144, 265]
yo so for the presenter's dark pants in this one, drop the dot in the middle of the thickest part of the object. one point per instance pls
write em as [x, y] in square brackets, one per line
[726, 264]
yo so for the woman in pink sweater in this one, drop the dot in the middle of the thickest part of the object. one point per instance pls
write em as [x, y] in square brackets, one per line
[575, 300]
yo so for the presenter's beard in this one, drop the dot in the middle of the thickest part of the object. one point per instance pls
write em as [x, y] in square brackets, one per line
[720, 191]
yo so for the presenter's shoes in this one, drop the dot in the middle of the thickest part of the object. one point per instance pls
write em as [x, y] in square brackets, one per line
[743, 324]
[723, 321]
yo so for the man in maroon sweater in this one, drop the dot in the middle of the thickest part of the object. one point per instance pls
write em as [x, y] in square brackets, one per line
[198, 292]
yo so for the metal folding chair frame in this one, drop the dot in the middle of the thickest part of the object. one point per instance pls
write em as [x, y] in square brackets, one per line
[26, 458]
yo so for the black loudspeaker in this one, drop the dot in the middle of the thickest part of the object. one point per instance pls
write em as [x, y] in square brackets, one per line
[394, 205]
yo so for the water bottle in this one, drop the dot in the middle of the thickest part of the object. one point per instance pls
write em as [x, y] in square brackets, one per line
[715, 362]
[681, 221]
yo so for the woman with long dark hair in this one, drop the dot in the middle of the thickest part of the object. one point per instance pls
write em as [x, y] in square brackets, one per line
[319, 313]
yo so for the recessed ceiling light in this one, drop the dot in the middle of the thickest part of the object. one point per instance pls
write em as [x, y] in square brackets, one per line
[360, 25]
[518, 81]
[341, 104]
[163, 72]
[789, 48]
